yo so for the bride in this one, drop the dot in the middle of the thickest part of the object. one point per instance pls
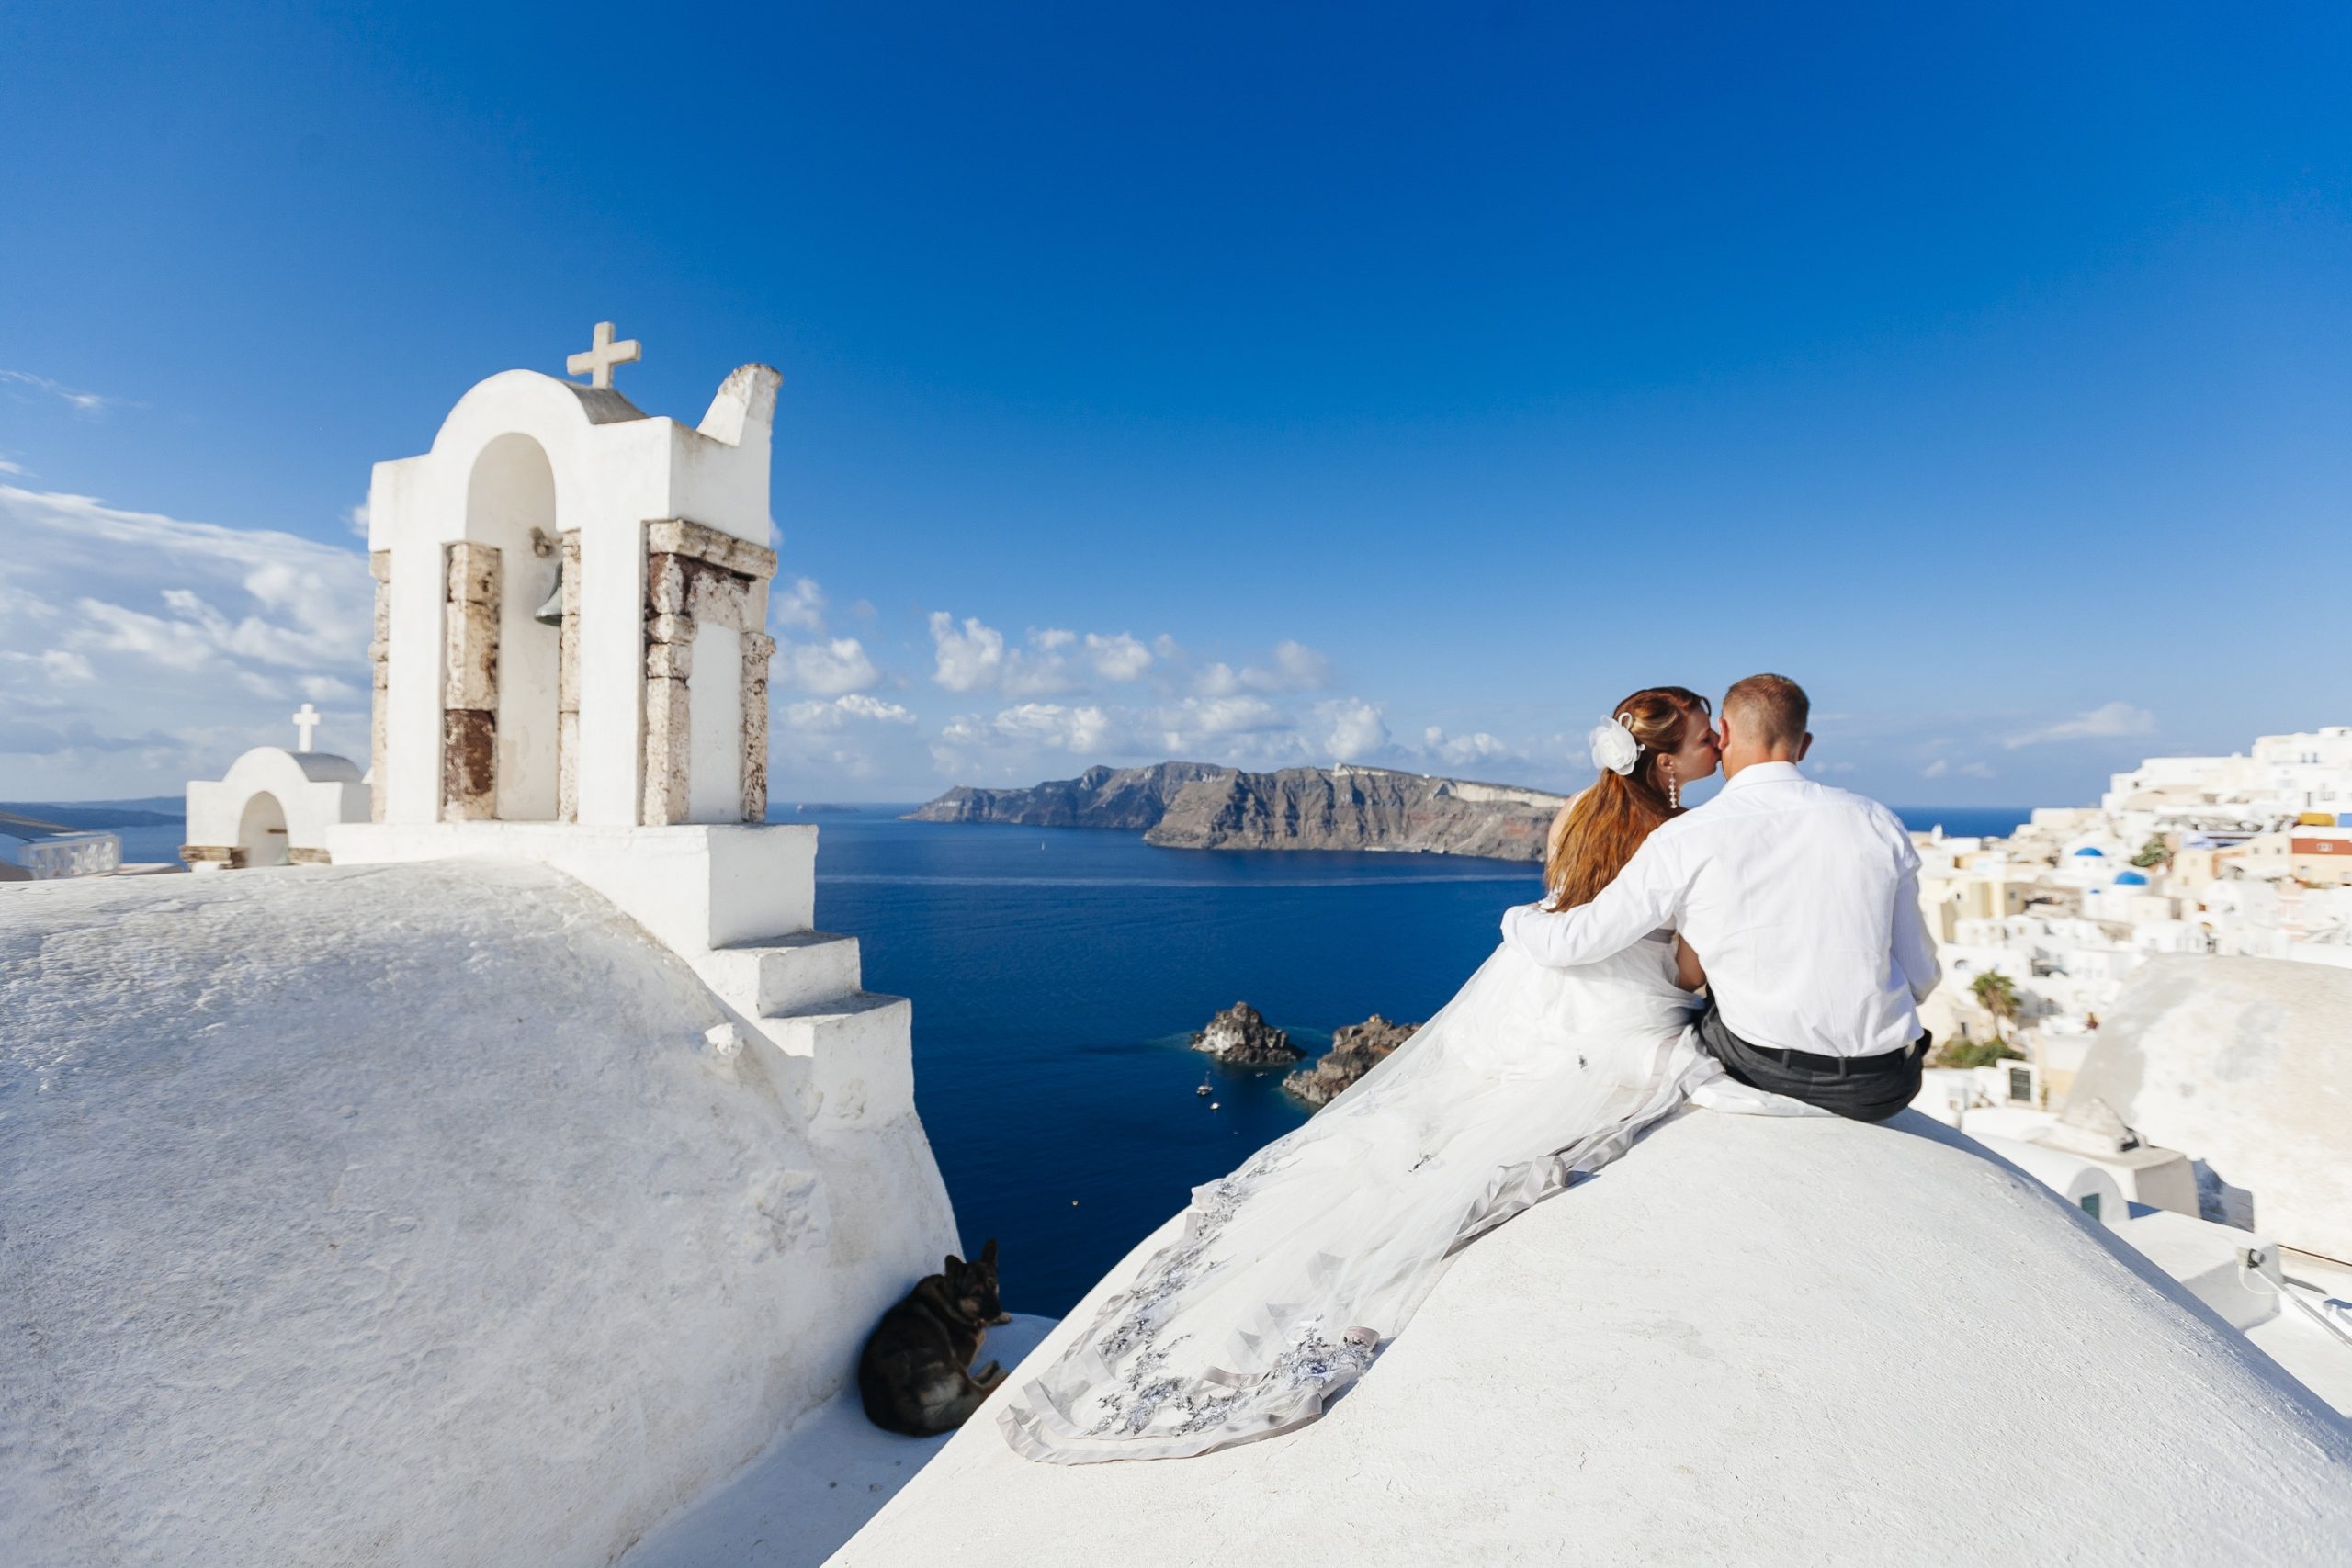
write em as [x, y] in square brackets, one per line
[1287, 1277]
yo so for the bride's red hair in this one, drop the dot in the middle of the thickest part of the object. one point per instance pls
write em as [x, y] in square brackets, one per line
[1608, 822]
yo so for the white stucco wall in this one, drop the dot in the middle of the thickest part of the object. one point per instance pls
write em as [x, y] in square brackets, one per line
[715, 725]
[404, 1215]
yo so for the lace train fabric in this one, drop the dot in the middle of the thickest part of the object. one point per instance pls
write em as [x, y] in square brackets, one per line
[1287, 1277]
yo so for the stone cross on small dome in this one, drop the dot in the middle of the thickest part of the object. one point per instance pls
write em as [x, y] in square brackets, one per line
[306, 724]
[597, 362]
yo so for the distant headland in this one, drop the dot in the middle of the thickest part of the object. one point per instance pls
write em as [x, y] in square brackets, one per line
[1200, 806]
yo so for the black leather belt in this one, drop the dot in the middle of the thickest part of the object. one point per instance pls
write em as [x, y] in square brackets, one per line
[1840, 1066]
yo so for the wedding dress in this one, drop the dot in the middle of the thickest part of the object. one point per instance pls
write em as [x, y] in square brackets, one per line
[1288, 1276]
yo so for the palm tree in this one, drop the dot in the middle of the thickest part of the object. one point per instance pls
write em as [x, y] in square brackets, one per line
[1997, 996]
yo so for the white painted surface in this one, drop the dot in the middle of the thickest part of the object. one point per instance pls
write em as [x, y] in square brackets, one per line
[2244, 1063]
[2203, 1258]
[402, 1214]
[715, 726]
[812, 1488]
[2305, 1347]
[309, 793]
[1749, 1342]
[2070, 1176]
[65, 855]
[509, 495]
[695, 887]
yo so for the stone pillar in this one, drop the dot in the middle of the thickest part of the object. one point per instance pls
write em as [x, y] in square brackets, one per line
[669, 661]
[695, 573]
[758, 648]
[470, 693]
[379, 656]
[567, 701]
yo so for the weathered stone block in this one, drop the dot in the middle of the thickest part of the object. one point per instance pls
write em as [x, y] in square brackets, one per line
[468, 765]
[678, 537]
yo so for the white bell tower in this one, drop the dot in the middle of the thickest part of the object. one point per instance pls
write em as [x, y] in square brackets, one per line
[570, 667]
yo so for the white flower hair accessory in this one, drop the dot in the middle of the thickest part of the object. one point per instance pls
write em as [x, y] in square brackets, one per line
[1613, 745]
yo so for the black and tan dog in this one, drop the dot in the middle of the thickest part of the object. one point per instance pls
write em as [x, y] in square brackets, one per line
[913, 1373]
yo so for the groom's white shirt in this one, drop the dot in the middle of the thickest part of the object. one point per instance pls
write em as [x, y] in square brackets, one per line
[1803, 901]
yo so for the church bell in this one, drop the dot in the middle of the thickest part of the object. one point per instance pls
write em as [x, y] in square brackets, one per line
[552, 613]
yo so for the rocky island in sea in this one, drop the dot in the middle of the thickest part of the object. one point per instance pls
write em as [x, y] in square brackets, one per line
[1356, 1051]
[1199, 805]
[1241, 1035]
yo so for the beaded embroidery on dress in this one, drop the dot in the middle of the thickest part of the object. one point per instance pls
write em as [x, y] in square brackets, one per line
[1286, 1278]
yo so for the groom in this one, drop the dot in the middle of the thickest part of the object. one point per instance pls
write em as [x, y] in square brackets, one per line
[1802, 901]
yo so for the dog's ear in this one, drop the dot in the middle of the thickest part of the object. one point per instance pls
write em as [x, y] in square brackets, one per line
[954, 1263]
[987, 1253]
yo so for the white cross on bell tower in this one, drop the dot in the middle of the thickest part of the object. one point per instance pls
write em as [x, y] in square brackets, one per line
[597, 362]
[306, 724]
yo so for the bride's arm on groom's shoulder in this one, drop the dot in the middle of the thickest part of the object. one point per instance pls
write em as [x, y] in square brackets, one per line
[1638, 902]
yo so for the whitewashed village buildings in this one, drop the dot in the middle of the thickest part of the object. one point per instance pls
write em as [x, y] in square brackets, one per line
[2247, 855]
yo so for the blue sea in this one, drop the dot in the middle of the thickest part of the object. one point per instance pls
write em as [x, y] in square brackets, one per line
[1058, 973]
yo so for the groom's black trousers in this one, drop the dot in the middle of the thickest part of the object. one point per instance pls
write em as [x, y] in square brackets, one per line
[1867, 1089]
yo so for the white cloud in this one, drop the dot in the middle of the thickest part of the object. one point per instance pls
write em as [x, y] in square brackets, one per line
[974, 656]
[797, 605]
[828, 716]
[1460, 750]
[968, 660]
[1350, 729]
[1294, 668]
[91, 403]
[178, 642]
[1290, 667]
[8, 468]
[55, 664]
[354, 520]
[828, 669]
[2108, 721]
[1976, 770]
[1119, 657]
[1015, 732]
[1935, 769]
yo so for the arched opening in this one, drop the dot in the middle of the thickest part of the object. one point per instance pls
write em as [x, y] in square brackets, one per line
[510, 505]
[260, 831]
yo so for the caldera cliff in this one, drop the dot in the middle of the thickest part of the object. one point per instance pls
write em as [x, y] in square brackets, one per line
[1199, 805]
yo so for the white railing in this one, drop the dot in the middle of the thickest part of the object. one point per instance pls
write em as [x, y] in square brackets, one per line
[72, 854]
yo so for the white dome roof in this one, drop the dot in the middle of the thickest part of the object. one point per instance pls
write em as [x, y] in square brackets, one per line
[1748, 1342]
[2246, 1065]
[398, 1214]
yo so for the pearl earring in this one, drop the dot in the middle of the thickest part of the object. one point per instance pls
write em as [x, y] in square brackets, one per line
[1673, 786]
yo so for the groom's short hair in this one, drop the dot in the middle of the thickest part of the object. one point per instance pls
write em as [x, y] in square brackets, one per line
[1773, 706]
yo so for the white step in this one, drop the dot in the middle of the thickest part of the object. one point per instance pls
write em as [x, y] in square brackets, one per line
[857, 1053]
[785, 974]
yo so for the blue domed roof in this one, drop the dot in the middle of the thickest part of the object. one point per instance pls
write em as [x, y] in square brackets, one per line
[2131, 879]
[2090, 850]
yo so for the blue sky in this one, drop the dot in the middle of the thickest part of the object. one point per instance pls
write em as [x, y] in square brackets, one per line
[1257, 384]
